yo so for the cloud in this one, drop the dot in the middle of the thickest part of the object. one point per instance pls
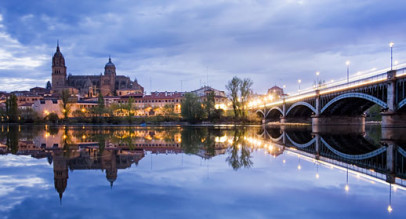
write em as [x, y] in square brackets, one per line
[163, 43]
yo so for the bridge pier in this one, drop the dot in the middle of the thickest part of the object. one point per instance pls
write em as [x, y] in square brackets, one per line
[295, 120]
[390, 162]
[283, 119]
[317, 144]
[338, 120]
[342, 129]
[393, 120]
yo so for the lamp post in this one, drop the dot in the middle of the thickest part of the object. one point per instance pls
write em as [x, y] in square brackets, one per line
[299, 81]
[317, 79]
[348, 70]
[391, 49]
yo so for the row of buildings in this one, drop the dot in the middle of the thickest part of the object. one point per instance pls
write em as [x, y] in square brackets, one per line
[115, 89]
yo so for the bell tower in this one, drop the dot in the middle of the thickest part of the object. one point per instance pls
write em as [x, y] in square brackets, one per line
[58, 69]
[108, 80]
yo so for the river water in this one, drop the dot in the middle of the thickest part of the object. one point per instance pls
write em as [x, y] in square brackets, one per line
[202, 172]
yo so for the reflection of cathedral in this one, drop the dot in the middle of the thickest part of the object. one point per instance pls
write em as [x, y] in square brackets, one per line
[60, 172]
[108, 160]
[90, 85]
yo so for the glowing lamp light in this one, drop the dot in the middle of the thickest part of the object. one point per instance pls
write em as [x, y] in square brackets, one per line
[317, 176]
[347, 188]
[391, 44]
[299, 167]
[284, 161]
[390, 209]
[347, 63]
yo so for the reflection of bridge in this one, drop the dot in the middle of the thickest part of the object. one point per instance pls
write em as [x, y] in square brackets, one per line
[343, 103]
[383, 160]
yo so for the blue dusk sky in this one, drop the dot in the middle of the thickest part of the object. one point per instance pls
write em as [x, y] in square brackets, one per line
[162, 43]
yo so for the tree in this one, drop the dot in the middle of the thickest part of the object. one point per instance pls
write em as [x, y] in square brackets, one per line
[12, 108]
[100, 109]
[100, 103]
[29, 115]
[52, 117]
[168, 112]
[191, 108]
[129, 107]
[79, 114]
[245, 91]
[233, 87]
[209, 104]
[65, 104]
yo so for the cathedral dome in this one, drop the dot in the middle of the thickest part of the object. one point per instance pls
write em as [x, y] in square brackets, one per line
[109, 64]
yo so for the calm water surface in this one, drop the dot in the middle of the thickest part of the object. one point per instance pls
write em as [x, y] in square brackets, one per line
[221, 172]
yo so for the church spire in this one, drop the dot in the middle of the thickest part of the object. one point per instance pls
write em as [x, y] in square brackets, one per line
[57, 45]
[60, 198]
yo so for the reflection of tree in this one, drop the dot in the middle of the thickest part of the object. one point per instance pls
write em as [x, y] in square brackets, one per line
[210, 145]
[67, 143]
[192, 140]
[197, 139]
[12, 139]
[240, 154]
[53, 130]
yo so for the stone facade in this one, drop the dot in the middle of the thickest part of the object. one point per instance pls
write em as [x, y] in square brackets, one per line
[90, 85]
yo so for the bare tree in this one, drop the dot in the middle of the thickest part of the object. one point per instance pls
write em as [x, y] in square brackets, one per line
[233, 87]
[245, 91]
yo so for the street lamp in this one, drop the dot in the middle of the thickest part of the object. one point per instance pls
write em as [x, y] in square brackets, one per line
[391, 47]
[299, 81]
[348, 70]
[317, 80]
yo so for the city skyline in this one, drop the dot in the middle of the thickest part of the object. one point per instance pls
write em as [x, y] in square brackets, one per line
[186, 44]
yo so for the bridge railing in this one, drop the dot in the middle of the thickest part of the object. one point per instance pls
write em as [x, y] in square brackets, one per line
[361, 79]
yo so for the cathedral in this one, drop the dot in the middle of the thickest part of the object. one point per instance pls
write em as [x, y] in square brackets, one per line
[108, 84]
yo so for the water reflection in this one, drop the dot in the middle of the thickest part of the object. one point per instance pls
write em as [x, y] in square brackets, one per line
[367, 153]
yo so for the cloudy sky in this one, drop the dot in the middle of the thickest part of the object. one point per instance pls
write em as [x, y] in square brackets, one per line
[194, 42]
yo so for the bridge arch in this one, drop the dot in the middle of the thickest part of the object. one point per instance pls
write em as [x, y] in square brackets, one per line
[300, 104]
[273, 134]
[261, 112]
[401, 104]
[351, 156]
[274, 108]
[305, 145]
[272, 113]
[349, 106]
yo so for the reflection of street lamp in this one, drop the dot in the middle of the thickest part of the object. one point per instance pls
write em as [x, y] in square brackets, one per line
[347, 188]
[298, 166]
[347, 63]
[391, 47]
[317, 169]
[390, 198]
[299, 81]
